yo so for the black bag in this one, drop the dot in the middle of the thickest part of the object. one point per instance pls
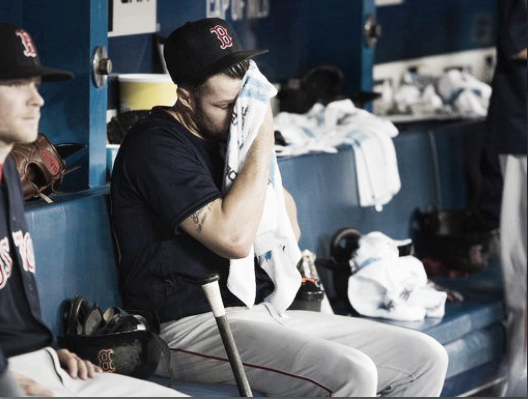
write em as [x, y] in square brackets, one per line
[320, 84]
[116, 340]
[445, 236]
[309, 296]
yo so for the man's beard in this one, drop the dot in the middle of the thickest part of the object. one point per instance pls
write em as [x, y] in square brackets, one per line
[205, 129]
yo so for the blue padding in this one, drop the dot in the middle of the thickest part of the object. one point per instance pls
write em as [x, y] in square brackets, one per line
[204, 390]
[482, 306]
[475, 349]
[430, 164]
[73, 251]
[325, 189]
[471, 331]
[466, 382]
[459, 320]
[75, 255]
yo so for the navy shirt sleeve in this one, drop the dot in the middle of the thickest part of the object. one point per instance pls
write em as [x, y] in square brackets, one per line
[166, 173]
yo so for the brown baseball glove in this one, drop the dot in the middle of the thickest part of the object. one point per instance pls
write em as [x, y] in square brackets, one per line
[40, 167]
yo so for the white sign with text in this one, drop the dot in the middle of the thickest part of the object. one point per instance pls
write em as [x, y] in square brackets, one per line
[237, 9]
[132, 17]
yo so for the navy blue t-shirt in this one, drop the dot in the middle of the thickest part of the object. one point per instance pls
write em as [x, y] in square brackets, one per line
[162, 175]
[21, 329]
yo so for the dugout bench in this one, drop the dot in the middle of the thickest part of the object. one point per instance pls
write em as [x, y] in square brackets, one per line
[75, 254]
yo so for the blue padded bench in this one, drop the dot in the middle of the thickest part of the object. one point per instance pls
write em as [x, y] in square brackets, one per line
[75, 255]
[430, 162]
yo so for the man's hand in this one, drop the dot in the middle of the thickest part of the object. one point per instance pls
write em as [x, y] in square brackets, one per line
[31, 387]
[291, 209]
[266, 133]
[76, 366]
[228, 226]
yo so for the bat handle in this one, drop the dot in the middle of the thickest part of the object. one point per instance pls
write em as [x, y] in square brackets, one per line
[212, 292]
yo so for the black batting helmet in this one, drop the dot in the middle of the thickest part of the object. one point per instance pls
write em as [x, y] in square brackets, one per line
[116, 340]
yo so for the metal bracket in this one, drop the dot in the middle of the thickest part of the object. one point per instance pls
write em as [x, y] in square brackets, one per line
[101, 66]
[371, 31]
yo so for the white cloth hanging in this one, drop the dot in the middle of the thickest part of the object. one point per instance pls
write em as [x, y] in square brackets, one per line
[275, 244]
[323, 129]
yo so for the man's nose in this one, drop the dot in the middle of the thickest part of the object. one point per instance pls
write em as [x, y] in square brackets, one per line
[36, 98]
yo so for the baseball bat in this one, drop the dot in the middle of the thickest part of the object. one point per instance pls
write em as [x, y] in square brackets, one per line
[212, 292]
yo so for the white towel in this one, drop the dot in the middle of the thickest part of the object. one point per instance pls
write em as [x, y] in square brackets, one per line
[389, 286]
[371, 138]
[323, 129]
[378, 178]
[466, 94]
[275, 244]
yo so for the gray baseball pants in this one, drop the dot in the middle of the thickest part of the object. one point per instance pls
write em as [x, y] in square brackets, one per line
[308, 354]
[43, 367]
[514, 263]
[9, 387]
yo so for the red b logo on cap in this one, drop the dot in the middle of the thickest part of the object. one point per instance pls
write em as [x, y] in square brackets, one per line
[29, 47]
[223, 36]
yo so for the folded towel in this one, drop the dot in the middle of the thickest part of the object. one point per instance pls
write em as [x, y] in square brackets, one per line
[275, 245]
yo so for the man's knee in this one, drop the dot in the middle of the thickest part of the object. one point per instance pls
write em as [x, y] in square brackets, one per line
[432, 355]
[358, 376]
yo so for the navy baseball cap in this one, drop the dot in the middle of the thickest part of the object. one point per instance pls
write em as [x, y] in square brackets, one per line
[19, 58]
[203, 48]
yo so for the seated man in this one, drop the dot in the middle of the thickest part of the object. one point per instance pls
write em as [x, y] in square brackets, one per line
[25, 341]
[174, 222]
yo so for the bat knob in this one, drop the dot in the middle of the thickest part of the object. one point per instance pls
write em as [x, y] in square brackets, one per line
[212, 292]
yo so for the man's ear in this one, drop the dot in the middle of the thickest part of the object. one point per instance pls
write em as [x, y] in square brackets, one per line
[185, 98]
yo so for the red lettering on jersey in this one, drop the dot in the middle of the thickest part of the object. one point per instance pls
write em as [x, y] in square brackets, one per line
[25, 250]
[30, 252]
[29, 47]
[6, 263]
[222, 35]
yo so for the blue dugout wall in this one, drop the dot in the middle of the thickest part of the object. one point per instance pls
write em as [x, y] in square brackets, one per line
[419, 28]
[66, 34]
[300, 34]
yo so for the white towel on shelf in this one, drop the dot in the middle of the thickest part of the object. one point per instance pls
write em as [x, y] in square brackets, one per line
[378, 178]
[377, 172]
[324, 128]
[466, 94]
[275, 244]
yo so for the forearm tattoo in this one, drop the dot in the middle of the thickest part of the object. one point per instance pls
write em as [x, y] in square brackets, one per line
[200, 216]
